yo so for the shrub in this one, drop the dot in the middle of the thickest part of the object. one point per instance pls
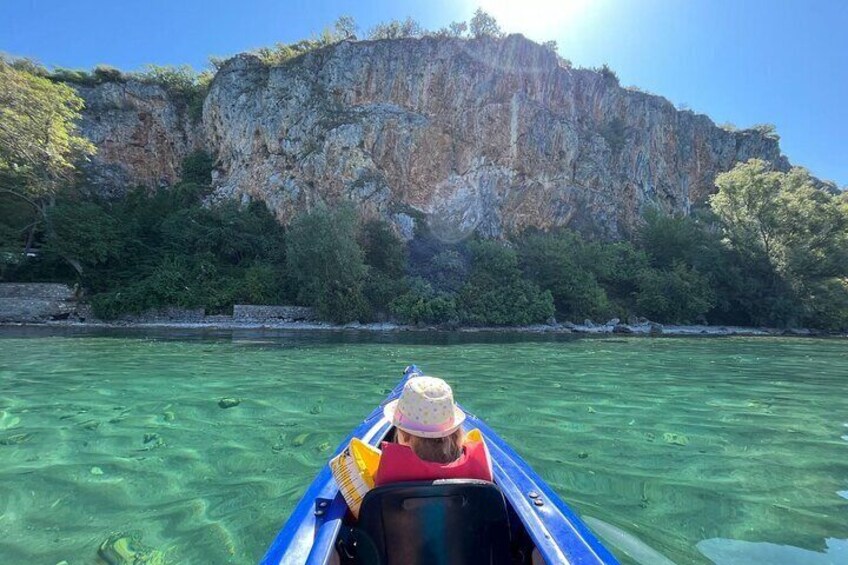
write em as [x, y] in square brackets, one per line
[615, 134]
[385, 256]
[826, 305]
[281, 53]
[496, 294]
[422, 304]
[105, 73]
[345, 28]
[454, 29]
[197, 168]
[396, 29]
[83, 233]
[766, 130]
[182, 82]
[554, 262]
[73, 76]
[677, 295]
[607, 73]
[484, 25]
[327, 264]
[384, 251]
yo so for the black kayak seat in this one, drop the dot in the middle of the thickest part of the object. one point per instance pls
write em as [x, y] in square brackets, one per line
[443, 522]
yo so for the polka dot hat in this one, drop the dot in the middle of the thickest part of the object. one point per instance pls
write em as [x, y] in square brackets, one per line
[425, 408]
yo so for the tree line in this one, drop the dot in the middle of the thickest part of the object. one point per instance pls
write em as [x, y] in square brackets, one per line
[768, 248]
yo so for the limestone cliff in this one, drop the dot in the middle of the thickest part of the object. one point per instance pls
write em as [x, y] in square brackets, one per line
[492, 135]
[142, 135]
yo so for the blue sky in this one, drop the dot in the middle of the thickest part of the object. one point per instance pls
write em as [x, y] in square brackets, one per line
[741, 61]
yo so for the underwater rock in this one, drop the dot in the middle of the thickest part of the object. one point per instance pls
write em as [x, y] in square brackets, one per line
[15, 439]
[323, 446]
[168, 416]
[96, 471]
[582, 455]
[675, 439]
[317, 408]
[150, 436]
[127, 549]
[590, 410]
[298, 441]
[229, 402]
[90, 425]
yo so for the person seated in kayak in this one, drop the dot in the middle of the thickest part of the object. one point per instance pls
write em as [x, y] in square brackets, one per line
[430, 443]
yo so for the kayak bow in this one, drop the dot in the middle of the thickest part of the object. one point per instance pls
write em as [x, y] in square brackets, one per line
[310, 533]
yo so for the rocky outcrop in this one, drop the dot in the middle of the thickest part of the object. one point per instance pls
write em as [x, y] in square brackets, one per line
[473, 134]
[484, 134]
[141, 132]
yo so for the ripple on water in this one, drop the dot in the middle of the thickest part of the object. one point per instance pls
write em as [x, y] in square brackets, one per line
[684, 445]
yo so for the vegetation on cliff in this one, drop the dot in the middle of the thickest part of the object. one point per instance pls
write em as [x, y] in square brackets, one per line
[769, 248]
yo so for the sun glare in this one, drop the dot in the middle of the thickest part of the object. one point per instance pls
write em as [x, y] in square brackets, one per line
[538, 19]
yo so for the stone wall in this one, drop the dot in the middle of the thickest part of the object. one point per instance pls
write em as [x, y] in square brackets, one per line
[36, 302]
[179, 315]
[251, 313]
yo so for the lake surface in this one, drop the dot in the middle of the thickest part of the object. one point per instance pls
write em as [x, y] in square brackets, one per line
[730, 450]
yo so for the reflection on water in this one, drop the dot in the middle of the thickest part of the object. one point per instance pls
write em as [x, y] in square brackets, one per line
[702, 450]
[738, 552]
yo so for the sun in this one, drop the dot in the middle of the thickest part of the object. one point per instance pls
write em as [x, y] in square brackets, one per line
[538, 19]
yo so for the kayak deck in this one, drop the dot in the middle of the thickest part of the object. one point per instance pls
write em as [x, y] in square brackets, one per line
[310, 533]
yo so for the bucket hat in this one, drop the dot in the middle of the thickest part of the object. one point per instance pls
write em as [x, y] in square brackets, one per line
[425, 408]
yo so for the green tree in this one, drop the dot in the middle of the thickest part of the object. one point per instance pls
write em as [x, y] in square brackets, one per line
[553, 262]
[385, 256]
[422, 304]
[496, 293]
[747, 205]
[483, 24]
[83, 234]
[39, 140]
[454, 29]
[327, 264]
[396, 29]
[676, 295]
[785, 221]
[345, 28]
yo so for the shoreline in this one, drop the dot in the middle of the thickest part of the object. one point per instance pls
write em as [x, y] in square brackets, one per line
[642, 330]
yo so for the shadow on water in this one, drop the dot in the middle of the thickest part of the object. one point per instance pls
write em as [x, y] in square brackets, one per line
[292, 337]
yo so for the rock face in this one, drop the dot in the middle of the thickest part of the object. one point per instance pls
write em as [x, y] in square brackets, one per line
[142, 135]
[487, 135]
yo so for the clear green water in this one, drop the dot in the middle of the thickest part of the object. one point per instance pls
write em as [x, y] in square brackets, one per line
[736, 449]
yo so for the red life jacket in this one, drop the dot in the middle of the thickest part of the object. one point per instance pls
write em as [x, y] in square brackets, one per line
[399, 463]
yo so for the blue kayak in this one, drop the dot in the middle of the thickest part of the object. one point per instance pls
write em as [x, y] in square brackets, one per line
[317, 525]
